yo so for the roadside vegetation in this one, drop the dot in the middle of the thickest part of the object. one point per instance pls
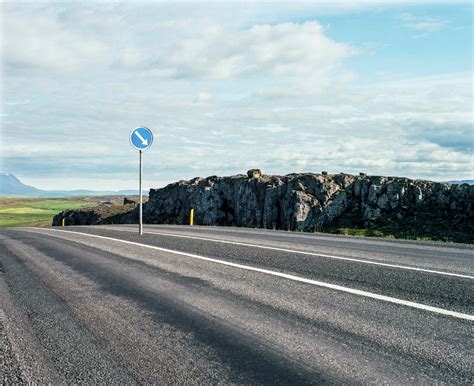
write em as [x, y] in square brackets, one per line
[39, 212]
[364, 232]
[424, 225]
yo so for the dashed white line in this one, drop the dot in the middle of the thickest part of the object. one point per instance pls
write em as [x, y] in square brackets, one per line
[367, 294]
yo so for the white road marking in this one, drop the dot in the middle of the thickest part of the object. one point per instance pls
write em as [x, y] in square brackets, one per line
[300, 252]
[367, 294]
[144, 141]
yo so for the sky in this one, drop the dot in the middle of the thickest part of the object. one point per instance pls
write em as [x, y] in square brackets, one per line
[378, 87]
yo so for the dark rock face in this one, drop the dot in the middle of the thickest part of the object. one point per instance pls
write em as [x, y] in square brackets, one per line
[307, 202]
[127, 201]
[254, 173]
[77, 217]
[103, 214]
[311, 202]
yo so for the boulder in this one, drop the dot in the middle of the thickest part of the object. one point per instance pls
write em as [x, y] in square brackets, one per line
[254, 173]
[127, 201]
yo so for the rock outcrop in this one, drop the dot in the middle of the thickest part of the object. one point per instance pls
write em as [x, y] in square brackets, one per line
[318, 202]
[127, 201]
[102, 214]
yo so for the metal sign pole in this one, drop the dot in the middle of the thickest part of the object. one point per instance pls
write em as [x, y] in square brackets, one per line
[140, 227]
[141, 139]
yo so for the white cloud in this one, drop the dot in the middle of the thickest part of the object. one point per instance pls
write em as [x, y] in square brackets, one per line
[422, 23]
[272, 128]
[203, 97]
[71, 40]
[213, 51]
[222, 94]
[36, 41]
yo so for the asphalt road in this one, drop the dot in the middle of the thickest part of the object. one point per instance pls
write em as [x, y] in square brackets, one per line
[223, 305]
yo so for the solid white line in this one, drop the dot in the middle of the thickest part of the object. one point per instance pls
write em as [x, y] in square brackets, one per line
[300, 252]
[371, 295]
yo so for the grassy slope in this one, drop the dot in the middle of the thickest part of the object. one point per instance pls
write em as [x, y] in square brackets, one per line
[18, 211]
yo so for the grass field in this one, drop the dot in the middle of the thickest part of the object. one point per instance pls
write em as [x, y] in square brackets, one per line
[17, 211]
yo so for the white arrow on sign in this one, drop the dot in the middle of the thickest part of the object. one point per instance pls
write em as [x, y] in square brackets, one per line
[144, 141]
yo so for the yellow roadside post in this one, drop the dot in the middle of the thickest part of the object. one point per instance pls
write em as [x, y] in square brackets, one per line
[191, 218]
[63, 221]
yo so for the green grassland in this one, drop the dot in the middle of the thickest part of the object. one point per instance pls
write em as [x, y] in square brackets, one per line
[18, 211]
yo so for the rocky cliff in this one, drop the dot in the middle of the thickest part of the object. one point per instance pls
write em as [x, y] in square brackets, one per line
[318, 202]
[102, 214]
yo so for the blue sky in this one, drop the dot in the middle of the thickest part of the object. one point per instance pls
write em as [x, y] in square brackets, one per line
[379, 87]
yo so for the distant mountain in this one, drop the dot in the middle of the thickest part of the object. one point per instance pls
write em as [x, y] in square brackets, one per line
[12, 186]
[470, 182]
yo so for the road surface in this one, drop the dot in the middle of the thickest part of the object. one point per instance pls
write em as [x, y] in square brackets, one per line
[224, 305]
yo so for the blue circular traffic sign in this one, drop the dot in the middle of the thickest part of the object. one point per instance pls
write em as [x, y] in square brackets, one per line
[141, 138]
